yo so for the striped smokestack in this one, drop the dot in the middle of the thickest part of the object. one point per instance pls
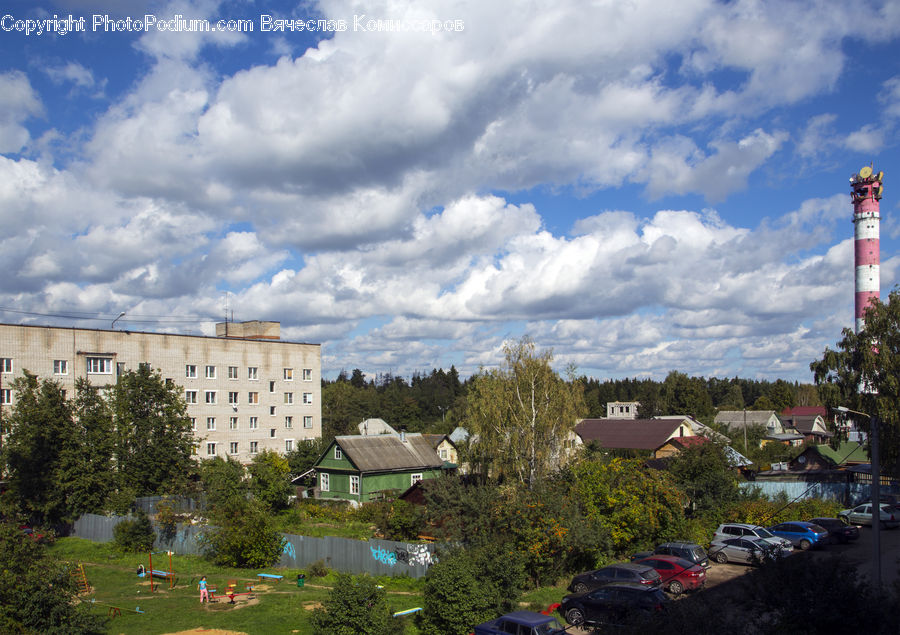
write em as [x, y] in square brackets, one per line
[867, 188]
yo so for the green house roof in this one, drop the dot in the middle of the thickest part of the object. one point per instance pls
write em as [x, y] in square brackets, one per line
[847, 452]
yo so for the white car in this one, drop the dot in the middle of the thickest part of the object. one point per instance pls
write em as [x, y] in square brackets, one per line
[862, 515]
[745, 530]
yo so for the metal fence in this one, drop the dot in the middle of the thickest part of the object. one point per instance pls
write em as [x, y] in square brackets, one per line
[376, 557]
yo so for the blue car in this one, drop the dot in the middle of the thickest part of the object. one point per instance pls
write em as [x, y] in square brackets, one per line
[801, 533]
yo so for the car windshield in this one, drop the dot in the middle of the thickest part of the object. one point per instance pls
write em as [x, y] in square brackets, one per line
[697, 553]
[548, 628]
[764, 533]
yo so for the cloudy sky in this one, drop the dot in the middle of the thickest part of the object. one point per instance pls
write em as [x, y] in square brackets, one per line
[642, 186]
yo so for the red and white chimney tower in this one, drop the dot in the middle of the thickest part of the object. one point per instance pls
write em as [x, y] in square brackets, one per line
[867, 189]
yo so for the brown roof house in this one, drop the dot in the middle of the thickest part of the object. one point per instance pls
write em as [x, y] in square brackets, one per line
[631, 434]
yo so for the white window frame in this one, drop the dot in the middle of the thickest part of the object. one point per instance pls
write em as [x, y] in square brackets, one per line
[233, 447]
[211, 448]
[6, 396]
[415, 478]
[272, 410]
[60, 367]
[288, 374]
[354, 484]
[232, 398]
[209, 396]
[308, 422]
[272, 386]
[190, 371]
[289, 398]
[211, 424]
[444, 454]
[288, 445]
[338, 454]
[99, 366]
[289, 422]
[190, 396]
[324, 482]
[193, 423]
[232, 372]
[273, 433]
[253, 398]
[6, 365]
[254, 423]
[210, 372]
[233, 423]
[307, 398]
[307, 374]
[254, 447]
[253, 373]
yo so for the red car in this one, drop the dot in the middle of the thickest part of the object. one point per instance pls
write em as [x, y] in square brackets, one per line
[678, 575]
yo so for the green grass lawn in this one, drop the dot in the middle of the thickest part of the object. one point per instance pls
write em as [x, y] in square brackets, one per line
[277, 607]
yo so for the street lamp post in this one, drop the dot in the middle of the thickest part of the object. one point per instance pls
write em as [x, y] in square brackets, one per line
[113, 325]
[876, 492]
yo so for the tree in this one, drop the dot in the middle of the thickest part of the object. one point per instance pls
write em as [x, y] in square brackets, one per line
[37, 593]
[154, 441]
[863, 374]
[134, 535]
[305, 454]
[522, 415]
[703, 473]
[356, 605]
[242, 534]
[270, 480]
[223, 481]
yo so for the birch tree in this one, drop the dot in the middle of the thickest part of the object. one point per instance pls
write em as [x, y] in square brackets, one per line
[522, 414]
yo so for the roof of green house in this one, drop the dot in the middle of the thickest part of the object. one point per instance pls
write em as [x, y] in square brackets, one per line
[387, 452]
[847, 452]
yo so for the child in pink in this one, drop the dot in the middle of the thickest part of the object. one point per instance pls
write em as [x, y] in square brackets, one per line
[204, 594]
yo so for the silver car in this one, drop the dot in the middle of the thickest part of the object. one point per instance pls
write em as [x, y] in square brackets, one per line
[746, 530]
[749, 550]
[862, 515]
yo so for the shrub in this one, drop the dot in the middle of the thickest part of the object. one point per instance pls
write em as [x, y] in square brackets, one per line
[399, 520]
[318, 569]
[134, 534]
[356, 605]
[242, 535]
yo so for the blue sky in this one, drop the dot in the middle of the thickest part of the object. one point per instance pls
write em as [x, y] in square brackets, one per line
[640, 186]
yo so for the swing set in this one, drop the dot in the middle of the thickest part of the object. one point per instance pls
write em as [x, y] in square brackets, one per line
[168, 574]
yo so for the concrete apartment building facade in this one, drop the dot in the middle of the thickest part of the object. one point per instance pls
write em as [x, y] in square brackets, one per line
[246, 389]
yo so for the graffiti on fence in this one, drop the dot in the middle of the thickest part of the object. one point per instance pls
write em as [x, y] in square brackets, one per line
[289, 550]
[383, 555]
[411, 555]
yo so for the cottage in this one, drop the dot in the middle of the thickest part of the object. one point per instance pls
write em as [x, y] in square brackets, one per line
[631, 434]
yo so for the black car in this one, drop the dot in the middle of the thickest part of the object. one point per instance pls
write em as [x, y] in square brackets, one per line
[612, 604]
[621, 572]
[690, 551]
[838, 530]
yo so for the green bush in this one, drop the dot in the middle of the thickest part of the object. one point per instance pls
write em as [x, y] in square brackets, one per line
[134, 534]
[318, 569]
[242, 535]
[399, 520]
[357, 605]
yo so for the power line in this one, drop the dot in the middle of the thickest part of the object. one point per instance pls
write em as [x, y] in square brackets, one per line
[76, 315]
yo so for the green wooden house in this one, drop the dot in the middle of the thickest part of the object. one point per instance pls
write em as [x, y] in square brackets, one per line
[362, 468]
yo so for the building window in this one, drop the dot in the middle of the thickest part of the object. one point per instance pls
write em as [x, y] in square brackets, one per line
[190, 396]
[288, 398]
[60, 367]
[288, 422]
[272, 410]
[6, 364]
[232, 423]
[444, 454]
[6, 396]
[99, 365]
[289, 374]
[232, 372]
[194, 424]
[190, 371]
[233, 447]
[272, 433]
[307, 374]
[233, 398]
[338, 455]
[415, 478]
[254, 423]
[307, 421]
[288, 445]
[354, 484]
[307, 398]
[211, 449]
[210, 396]
[324, 484]
[120, 369]
[210, 372]
[253, 398]
[210, 423]
[254, 447]
[271, 386]
[253, 373]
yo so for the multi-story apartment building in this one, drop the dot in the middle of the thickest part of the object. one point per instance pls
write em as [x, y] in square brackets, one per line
[246, 389]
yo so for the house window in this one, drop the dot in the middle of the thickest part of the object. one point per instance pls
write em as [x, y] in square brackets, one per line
[444, 454]
[272, 410]
[272, 433]
[60, 367]
[338, 455]
[289, 398]
[307, 374]
[288, 445]
[210, 423]
[190, 371]
[289, 374]
[414, 478]
[232, 372]
[253, 398]
[99, 366]
[194, 423]
[190, 396]
[324, 484]
[6, 396]
[288, 422]
[254, 423]
[210, 396]
[254, 447]
[211, 449]
[307, 398]
[252, 373]
[271, 386]
[6, 364]
[232, 423]
[233, 398]
[233, 447]
[354, 484]
[210, 372]
[307, 422]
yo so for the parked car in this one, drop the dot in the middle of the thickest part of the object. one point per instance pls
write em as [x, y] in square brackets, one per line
[750, 550]
[612, 604]
[690, 551]
[677, 574]
[737, 530]
[801, 533]
[522, 623]
[862, 515]
[621, 572]
[838, 530]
